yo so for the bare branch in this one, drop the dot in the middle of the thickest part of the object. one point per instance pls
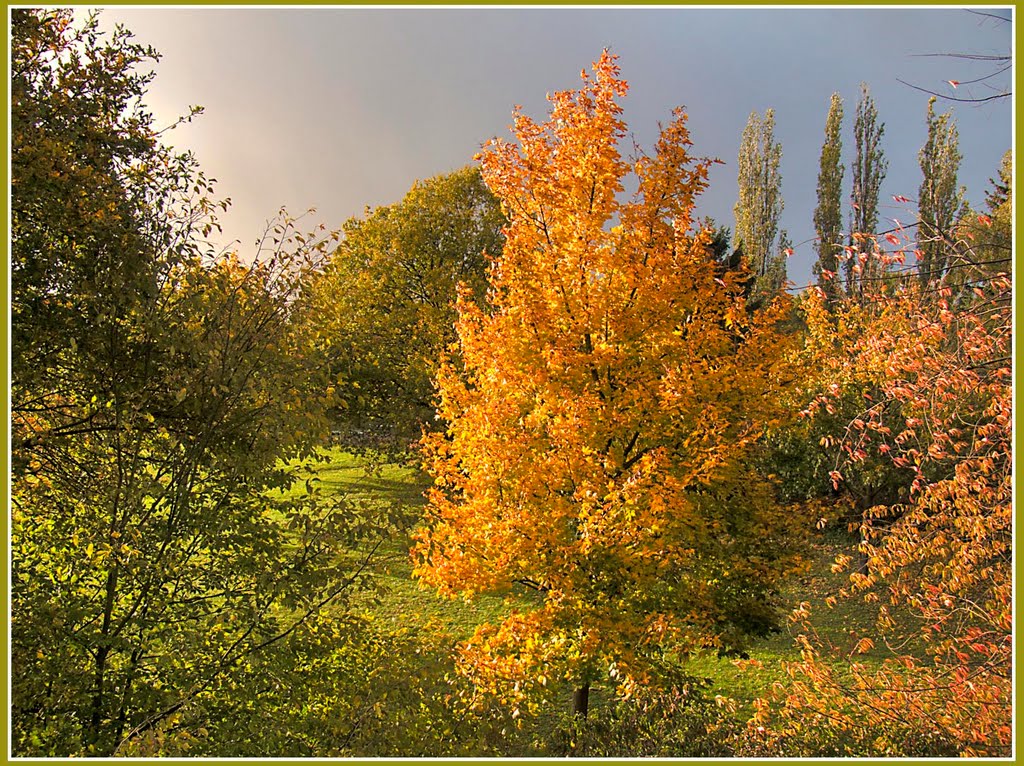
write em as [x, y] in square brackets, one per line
[966, 56]
[988, 76]
[1005, 94]
[1002, 19]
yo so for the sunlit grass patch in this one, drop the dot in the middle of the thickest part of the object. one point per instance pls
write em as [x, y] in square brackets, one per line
[400, 603]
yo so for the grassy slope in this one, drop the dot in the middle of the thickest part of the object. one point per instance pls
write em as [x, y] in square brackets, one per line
[405, 605]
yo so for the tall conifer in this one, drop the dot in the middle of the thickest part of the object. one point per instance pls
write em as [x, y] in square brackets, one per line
[828, 214]
[940, 199]
[759, 205]
[868, 173]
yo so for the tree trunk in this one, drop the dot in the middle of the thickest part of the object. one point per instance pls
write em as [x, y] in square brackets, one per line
[581, 700]
[864, 504]
[94, 732]
[92, 737]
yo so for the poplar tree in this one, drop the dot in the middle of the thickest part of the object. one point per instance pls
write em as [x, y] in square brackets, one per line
[777, 265]
[940, 199]
[759, 205]
[868, 172]
[828, 215]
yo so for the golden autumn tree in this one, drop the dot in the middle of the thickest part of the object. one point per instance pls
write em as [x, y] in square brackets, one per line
[600, 415]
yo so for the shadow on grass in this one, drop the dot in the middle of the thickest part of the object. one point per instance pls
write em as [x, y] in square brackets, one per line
[401, 603]
[394, 490]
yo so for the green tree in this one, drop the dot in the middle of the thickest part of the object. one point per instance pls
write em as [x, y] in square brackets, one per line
[776, 273]
[759, 205]
[828, 219]
[86, 175]
[868, 173]
[152, 551]
[1001, 194]
[387, 297]
[940, 199]
[990, 233]
[728, 259]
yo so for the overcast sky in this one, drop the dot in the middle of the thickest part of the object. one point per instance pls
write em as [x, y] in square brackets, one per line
[344, 108]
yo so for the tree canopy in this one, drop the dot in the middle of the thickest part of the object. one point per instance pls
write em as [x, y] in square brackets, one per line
[599, 415]
[158, 392]
[863, 266]
[639, 451]
[759, 203]
[828, 218]
[386, 300]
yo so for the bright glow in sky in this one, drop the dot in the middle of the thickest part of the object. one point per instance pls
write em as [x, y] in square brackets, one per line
[344, 108]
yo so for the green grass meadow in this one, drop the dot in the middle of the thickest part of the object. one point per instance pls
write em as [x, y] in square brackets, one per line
[402, 604]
